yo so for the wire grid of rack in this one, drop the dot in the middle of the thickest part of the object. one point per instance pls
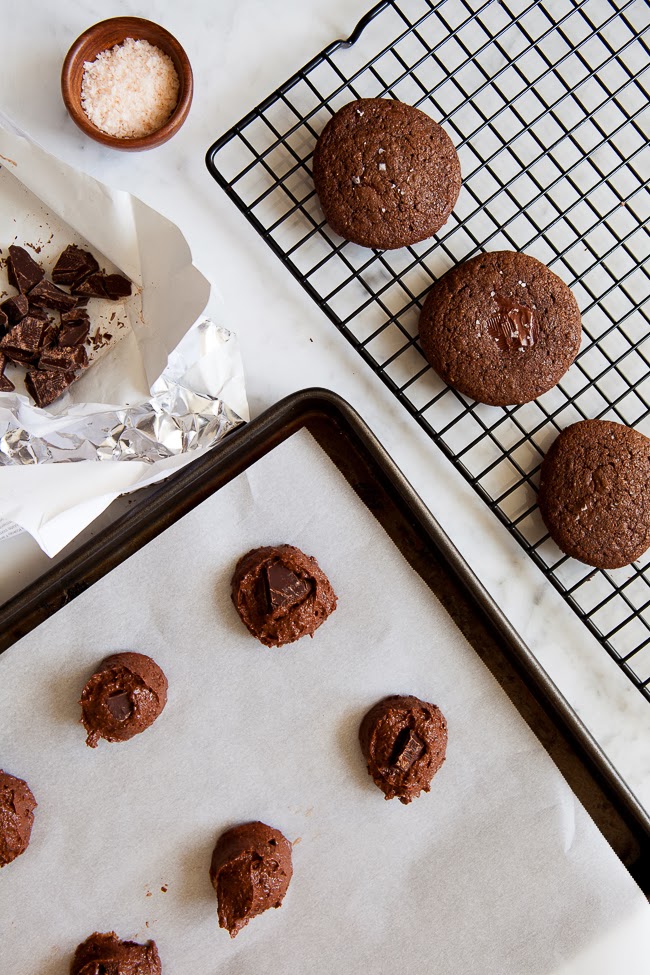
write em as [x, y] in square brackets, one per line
[547, 104]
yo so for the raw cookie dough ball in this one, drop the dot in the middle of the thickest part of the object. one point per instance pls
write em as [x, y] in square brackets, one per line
[403, 740]
[122, 698]
[250, 872]
[500, 328]
[386, 174]
[594, 493]
[105, 953]
[17, 805]
[281, 594]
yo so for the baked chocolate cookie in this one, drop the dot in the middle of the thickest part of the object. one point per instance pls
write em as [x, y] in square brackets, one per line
[250, 872]
[17, 805]
[594, 493]
[500, 328]
[404, 741]
[281, 594]
[106, 953]
[385, 173]
[122, 698]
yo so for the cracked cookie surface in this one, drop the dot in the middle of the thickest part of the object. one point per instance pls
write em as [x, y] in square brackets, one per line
[385, 173]
[594, 494]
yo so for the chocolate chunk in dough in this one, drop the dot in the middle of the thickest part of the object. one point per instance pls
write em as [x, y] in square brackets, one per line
[105, 954]
[281, 594]
[501, 328]
[73, 265]
[22, 269]
[47, 295]
[15, 308]
[123, 697]
[404, 741]
[24, 341]
[17, 805]
[44, 386]
[250, 872]
[6, 385]
[65, 359]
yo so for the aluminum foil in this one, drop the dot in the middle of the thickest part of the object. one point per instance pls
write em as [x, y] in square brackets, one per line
[178, 419]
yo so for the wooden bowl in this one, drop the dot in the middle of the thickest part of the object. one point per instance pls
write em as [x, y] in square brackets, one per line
[104, 35]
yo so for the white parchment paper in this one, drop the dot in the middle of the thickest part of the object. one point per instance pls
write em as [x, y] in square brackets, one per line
[169, 330]
[498, 871]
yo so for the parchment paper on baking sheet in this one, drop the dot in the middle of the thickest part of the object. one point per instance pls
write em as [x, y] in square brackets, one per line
[497, 870]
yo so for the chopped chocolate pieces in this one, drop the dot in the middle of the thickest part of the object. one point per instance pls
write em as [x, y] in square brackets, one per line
[100, 285]
[64, 359]
[23, 342]
[92, 286]
[55, 352]
[117, 286]
[47, 295]
[73, 265]
[46, 386]
[15, 308]
[6, 385]
[75, 333]
[22, 269]
[283, 587]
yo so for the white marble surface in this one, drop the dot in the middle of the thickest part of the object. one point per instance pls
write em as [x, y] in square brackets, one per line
[240, 51]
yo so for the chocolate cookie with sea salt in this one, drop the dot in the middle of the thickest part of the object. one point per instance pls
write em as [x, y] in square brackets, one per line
[594, 493]
[500, 328]
[386, 174]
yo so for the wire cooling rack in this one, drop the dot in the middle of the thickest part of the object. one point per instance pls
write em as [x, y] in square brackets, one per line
[546, 102]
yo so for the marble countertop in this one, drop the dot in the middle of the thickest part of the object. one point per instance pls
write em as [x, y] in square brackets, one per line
[241, 50]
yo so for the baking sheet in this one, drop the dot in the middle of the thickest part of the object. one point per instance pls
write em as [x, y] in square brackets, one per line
[497, 870]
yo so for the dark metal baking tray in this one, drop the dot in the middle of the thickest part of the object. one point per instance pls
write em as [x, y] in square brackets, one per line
[350, 444]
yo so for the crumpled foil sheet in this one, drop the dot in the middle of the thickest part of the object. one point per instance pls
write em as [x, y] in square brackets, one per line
[177, 419]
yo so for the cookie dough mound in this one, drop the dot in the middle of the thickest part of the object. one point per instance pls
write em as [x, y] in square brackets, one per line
[500, 328]
[17, 805]
[106, 953]
[594, 493]
[281, 594]
[250, 872]
[385, 173]
[404, 741]
[122, 698]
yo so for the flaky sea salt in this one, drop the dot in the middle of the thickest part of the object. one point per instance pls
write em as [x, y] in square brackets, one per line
[130, 90]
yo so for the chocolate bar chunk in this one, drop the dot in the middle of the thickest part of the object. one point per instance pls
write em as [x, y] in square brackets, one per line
[50, 336]
[74, 334]
[284, 587]
[6, 385]
[46, 386]
[23, 342]
[4, 322]
[22, 269]
[113, 286]
[15, 308]
[74, 316]
[117, 286]
[64, 359]
[73, 265]
[47, 295]
[39, 313]
[92, 286]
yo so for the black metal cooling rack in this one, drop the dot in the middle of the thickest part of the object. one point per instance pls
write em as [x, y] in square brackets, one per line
[547, 102]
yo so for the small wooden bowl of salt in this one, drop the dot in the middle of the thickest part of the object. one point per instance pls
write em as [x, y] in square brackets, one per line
[127, 83]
